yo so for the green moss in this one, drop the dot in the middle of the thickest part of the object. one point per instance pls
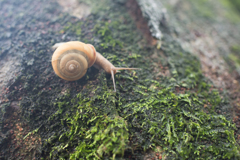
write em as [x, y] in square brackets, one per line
[235, 3]
[30, 133]
[105, 33]
[179, 124]
[69, 28]
[229, 11]
[98, 8]
[102, 125]
[202, 8]
[209, 9]
[107, 137]
[233, 58]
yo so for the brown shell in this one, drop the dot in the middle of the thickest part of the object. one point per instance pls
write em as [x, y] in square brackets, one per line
[71, 60]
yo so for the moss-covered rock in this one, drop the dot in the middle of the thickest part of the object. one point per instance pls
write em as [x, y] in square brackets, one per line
[168, 106]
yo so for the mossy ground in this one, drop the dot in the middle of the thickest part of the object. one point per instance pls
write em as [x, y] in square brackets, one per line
[178, 116]
[233, 58]
[211, 11]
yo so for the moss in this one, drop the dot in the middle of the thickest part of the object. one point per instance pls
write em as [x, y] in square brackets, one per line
[69, 28]
[107, 136]
[179, 124]
[229, 11]
[100, 8]
[203, 8]
[236, 4]
[105, 33]
[233, 58]
[209, 11]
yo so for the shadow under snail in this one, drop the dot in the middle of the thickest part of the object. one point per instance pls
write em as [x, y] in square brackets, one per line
[71, 60]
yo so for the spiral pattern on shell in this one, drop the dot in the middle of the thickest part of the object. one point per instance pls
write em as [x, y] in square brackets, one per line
[71, 60]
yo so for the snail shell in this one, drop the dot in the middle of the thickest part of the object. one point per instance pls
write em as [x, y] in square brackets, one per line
[71, 60]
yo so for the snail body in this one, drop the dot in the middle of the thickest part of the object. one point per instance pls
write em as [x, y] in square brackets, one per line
[71, 60]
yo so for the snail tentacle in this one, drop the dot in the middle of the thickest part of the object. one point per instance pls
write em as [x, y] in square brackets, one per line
[112, 74]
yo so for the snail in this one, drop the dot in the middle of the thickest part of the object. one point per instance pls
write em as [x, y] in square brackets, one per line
[71, 60]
